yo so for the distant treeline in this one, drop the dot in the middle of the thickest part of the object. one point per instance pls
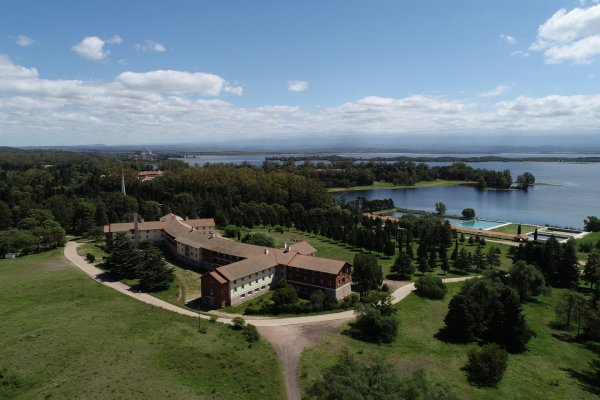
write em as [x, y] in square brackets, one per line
[426, 158]
[347, 173]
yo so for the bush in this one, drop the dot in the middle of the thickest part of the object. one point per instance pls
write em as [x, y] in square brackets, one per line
[231, 231]
[90, 257]
[259, 239]
[238, 323]
[285, 295]
[468, 213]
[375, 327]
[431, 287]
[250, 334]
[486, 366]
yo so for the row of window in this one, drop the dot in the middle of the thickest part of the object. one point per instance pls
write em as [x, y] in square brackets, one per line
[243, 295]
[235, 289]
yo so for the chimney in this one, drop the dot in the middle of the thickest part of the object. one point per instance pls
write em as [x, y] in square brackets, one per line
[266, 251]
[286, 248]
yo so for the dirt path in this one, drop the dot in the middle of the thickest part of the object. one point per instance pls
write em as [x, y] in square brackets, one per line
[288, 336]
[290, 341]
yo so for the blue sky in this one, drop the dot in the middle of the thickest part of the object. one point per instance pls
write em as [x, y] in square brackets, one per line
[74, 72]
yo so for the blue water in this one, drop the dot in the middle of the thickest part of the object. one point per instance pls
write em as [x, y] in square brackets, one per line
[566, 205]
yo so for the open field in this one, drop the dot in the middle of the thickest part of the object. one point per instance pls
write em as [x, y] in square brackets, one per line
[514, 228]
[65, 336]
[545, 371]
[388, 185]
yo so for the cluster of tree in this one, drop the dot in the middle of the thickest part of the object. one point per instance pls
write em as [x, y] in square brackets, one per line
[375, 318]
[83, 191]
[592, 224]
[249, 331]
[487, 309]
[285, 299]
[525, 180]
[259, 239]
[373, 205]
[350, 378]
[464, 260]
[143, 262]
[576, 309]
[33, 231]
[557, 262]
[347, 173]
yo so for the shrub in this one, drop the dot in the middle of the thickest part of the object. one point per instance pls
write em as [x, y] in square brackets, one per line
[431, 287]
[486, 366]
[90, 257]
[238, 323]
[250, 334]
[468, 213]
[231, 231]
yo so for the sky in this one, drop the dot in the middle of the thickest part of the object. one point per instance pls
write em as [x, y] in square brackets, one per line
[154, 72]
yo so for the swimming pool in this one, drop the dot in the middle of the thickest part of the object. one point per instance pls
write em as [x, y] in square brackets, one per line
[482, 224]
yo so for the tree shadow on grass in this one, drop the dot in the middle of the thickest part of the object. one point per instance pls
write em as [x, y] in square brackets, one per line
[585, 380]
[197, 304]
[397, 277]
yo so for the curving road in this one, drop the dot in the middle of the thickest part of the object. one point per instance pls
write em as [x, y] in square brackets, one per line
[288, 336]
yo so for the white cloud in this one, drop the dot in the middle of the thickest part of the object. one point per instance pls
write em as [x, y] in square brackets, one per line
[116, 39]
[297, 86]
[497, 91]
[520, 53]
[92, 48]
[145, 107]
[150, 46]
[570, 36]
[23, 41]
[508, 39]
[179, 82]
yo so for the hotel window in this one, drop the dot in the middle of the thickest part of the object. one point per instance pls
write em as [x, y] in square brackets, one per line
[243, 295]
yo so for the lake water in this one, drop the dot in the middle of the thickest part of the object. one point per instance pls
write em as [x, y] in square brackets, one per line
[566, 205]
[577, 197]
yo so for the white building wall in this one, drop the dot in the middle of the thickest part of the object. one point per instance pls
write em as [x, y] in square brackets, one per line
[250, 286]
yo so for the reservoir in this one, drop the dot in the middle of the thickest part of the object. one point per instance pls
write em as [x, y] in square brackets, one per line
[573, 195]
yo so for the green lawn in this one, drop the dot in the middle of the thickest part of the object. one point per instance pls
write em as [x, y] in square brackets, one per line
[514, 229]
[543, 372]
[95, 248]
[388, 185]
[58, 344]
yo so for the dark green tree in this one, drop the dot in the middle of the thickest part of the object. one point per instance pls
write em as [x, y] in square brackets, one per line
[123, 259]
[486, 366]
[154, 274]
[367, 273]
[403, 266]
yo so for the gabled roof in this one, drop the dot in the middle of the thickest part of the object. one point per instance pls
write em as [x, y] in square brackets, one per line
[127, 226]
[198, 223]
[247, 267]
[303, 247]
[318, 264]
[218, 277]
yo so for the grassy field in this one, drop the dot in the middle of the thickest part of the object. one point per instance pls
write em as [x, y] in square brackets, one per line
[95, 248]
[514, 228]
[64, 336]
[545, 371]
[388, 185]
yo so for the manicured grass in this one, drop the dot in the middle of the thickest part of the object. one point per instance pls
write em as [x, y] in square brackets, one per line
[388, 185]
[514, 229]
[185, 287]
[95, 248]
[545, 371]
[65, 336]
